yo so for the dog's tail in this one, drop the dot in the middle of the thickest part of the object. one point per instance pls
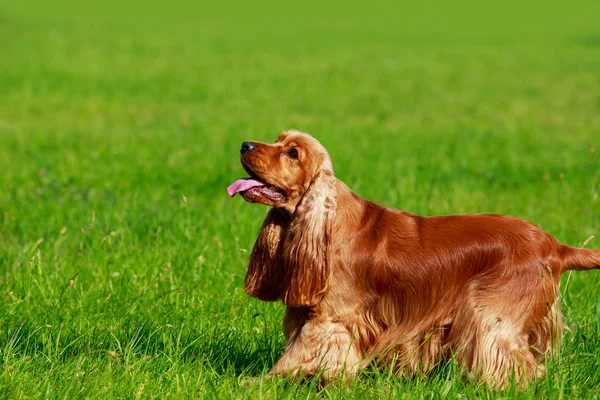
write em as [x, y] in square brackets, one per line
[579, 259]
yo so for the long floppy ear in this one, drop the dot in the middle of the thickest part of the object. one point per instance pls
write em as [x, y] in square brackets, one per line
[264, 278]
[306, 247]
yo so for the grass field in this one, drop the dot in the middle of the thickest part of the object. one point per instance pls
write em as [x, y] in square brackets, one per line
[112, 285]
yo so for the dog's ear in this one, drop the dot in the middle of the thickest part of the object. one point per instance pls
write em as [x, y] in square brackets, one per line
[264, 278]
[306, 247]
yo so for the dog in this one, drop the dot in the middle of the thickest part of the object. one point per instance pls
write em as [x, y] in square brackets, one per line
[365, 284]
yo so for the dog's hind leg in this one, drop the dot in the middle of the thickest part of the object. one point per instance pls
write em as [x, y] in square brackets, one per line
[504, 333]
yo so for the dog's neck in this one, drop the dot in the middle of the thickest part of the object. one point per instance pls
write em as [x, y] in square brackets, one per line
[350, 209]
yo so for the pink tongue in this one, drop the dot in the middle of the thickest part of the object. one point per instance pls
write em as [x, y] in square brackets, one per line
[241, 185]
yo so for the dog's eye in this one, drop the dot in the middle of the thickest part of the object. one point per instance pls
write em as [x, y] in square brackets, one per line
[293, 153]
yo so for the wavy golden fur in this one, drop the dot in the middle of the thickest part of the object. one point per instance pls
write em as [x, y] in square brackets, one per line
[366, 284]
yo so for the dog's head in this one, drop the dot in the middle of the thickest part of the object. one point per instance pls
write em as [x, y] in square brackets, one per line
[283, 172]
[290, 256]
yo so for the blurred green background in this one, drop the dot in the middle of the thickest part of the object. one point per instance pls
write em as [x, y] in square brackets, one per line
[111, 112]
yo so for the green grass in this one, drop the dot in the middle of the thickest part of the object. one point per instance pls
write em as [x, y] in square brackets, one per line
[111, 285]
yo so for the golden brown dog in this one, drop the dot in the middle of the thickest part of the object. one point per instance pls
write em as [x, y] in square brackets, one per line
[368, 284]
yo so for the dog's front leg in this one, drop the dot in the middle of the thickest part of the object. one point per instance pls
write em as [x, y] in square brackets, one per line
[317, 347]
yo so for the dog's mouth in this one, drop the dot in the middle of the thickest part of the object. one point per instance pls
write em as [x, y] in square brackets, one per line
[251, 188]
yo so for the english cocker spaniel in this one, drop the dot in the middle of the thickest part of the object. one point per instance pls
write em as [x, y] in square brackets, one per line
[366, 284]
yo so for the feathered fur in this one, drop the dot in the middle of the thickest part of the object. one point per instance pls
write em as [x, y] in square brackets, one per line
[365, 284]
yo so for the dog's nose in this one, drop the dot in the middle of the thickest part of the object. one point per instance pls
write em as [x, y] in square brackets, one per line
[246, 147]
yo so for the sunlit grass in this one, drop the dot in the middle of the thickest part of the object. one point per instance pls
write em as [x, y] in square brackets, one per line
[112, 284]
